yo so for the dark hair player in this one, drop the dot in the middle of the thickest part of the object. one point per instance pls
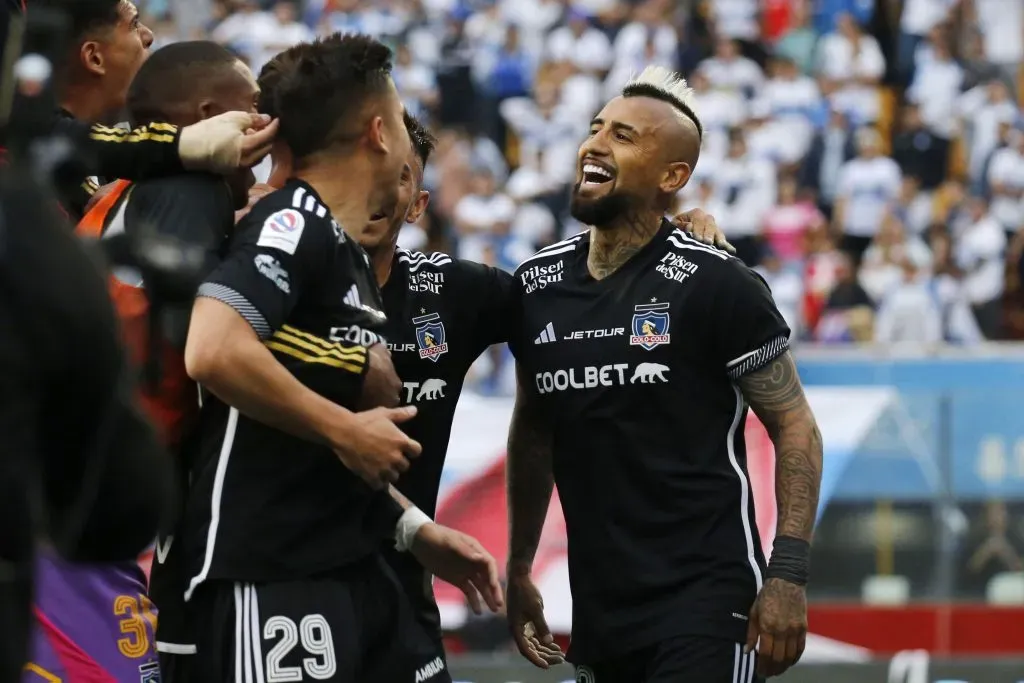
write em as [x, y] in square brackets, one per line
[668, 578]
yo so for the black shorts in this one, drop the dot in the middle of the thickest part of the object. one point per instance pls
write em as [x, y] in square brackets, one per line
[168, 581]
[694, 659]
[352, 626]
[176, 668]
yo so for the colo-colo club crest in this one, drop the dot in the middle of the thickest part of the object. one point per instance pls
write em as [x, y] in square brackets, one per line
[430, 336]
[650, 326]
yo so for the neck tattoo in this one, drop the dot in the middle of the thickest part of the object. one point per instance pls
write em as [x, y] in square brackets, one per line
[612, 247]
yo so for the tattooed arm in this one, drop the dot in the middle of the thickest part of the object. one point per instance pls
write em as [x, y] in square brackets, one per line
[530, 482]
[778, 618]
[777, 398]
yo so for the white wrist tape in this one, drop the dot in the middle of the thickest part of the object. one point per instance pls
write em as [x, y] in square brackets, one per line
[409, 524]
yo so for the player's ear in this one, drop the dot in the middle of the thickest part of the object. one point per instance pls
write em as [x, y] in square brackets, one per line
[376, 135]
[418, 207]
[207, 109]
[676, 176]
[91, 54]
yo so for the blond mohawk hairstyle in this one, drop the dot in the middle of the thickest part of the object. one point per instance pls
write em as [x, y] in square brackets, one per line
[666, 85]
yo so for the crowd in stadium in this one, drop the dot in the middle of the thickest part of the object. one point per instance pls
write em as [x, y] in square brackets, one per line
[871, 166]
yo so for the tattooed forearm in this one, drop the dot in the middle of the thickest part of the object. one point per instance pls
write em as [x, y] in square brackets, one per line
[530, 480]
[776, 397]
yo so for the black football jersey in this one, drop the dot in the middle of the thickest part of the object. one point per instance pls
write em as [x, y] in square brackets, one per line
[638, 373]
[442, 314]
[265, 505]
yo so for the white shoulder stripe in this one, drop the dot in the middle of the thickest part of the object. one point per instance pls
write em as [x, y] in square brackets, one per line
[298, 196]
[684, 241]
[562, 247]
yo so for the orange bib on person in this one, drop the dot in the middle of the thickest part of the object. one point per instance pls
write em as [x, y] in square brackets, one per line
[173, 405]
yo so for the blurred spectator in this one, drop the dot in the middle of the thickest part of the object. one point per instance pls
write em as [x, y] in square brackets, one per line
[746, 188]
[787, 290]
[267, 38]
[793, 102]
[851, 65]
[800, 42]
[1000, 23]
[868, 185]
[983, 109]
[959, 324]
[828, 12]
[849, 312]
[914, 208]
[830, 149]
[936, 88]
[1005, 175]
[736, 19]
[909, 312]
[917, 20]
[977, 69]
[415, 81]
[729, 70]
[244, 19]
[979, 250]
[918, 151]
[786, 224]
[648, 39]
[884, 266]
[581, 44]
[483, 221]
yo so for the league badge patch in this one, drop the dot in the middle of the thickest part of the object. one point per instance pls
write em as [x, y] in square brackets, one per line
[149, 673]
[650, 326]
[430, 336]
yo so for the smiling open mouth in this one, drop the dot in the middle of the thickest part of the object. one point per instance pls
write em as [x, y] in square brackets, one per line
[380, 215]
[596, 175]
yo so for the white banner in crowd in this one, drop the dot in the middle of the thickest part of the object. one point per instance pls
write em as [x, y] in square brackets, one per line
[473, 490]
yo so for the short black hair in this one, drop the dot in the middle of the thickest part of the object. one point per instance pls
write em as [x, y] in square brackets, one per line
[324, 88]
[654, 92]
[172, 76]
[421, 138]
[83, 16]
[270, 76]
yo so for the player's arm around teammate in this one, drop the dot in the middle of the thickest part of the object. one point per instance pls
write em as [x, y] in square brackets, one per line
[778, 619]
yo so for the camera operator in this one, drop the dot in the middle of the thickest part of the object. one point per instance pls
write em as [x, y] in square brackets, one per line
[104, 45]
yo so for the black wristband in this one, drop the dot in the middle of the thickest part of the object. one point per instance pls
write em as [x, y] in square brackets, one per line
[791, 560]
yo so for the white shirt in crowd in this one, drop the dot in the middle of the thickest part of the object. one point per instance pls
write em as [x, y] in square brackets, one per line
[746, 188]
[788, 292]
[1002, 28]
[880, 275]
[591, 51]
[936, 88]
[1007, 169]
[983, 117]
[791, 103]
[631, 43]
[740, 75]
[736, 18]
[979, 252]
[869, 187]
[909, 313]
[270, 38]
[837, 60]
[921, 16]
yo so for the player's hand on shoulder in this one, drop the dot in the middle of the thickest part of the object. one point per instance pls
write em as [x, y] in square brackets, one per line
[375, 448]
[778, 626]
[702, 226]
[381, 386]
[525, 610]
[461, 561]
[256, 193]
[226, 142]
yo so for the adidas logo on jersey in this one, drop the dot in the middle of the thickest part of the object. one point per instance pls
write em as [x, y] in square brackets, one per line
[547, 335]
[352, 298]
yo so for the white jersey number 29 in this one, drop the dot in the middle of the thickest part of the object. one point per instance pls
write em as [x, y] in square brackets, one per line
[314, 633]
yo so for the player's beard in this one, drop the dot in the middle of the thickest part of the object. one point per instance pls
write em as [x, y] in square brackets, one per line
[602, 211]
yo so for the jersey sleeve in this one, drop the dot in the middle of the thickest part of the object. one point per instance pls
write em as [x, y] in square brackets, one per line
[749, 332]
[496, 296]
[146, 152]
[276, 255]
[194, 208]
